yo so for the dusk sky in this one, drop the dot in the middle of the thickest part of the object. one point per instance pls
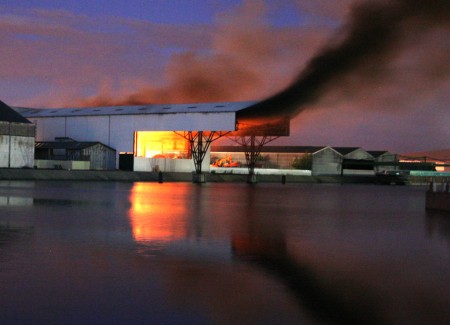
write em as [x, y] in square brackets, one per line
[111, 52]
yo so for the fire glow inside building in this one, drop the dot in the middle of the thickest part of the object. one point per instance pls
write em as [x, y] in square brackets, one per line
[170, 138]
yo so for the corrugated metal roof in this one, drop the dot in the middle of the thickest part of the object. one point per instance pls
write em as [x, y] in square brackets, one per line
[71, 145]
[135, 110]
[377, 153]
[345, 150]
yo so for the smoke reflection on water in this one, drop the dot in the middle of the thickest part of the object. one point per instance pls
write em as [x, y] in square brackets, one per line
[172, 252]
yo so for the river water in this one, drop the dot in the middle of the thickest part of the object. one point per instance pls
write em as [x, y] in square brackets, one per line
[221, 253]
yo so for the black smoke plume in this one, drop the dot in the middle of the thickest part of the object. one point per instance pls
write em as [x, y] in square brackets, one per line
[372, 37]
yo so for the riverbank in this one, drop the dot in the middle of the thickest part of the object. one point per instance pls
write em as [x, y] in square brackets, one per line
[128, 176]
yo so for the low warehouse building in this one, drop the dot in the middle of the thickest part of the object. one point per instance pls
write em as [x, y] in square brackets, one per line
[67, 153]
[319, 159]
[384, 161]
[356, 161]
[326, 161]
[17, 136]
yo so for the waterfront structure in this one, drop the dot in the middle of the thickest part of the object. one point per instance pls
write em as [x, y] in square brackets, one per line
[356, 160]
[438, 196]
[384, 161]
[324, 160]
[160, 137]
[17, 136]
[67, 153]
[280, 157]
[177, 138]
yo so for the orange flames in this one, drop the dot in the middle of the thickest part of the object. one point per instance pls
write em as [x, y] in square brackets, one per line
[160, 144]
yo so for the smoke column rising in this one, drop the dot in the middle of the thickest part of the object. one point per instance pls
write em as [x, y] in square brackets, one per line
[372, 38]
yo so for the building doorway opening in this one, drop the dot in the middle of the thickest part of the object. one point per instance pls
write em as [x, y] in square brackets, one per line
[161, 144]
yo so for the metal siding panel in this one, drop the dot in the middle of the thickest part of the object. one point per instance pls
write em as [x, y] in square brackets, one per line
[100, 157]
[326, 162]
[88, 128]
[22, 152]
[359, 154]
[23, 130]
[157, 109]
[4, 150]
[47, 129]
[111, 159]
[122, 133]
[175, 122]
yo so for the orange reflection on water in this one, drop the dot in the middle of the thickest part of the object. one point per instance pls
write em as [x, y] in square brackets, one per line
[158, 211]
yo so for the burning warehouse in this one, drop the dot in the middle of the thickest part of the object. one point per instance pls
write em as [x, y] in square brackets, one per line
[169, 138]
[177, 137]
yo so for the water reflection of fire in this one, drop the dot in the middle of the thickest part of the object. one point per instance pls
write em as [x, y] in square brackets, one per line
[156, 220]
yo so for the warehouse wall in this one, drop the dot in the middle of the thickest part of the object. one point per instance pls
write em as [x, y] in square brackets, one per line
[359, 154]
[386, 157]
[22, 152]
[327, 162]
[89, 128]
[47, 129]
[16, 145]
[16, 152]
[117, 131]
[62, 164]
[100, 157]
[4, 151]
[168, 165]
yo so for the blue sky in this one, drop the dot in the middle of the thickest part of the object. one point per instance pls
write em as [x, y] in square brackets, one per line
[163, 11]
[83, 53]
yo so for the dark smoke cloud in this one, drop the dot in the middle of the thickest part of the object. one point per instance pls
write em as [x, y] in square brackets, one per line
[368, 49]
[243, 51]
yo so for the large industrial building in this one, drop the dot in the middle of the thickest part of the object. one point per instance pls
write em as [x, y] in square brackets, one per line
[166, 138]
[158, 137]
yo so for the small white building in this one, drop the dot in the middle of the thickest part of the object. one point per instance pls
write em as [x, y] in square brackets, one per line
[16, 139]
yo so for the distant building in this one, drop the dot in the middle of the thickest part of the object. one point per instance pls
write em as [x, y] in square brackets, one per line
[326, 160]
[68, 153]
[384, 160]
[17, 136]
[356, 160]
[280, 157]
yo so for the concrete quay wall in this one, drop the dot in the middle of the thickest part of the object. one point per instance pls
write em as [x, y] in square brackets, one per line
[129, 176]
